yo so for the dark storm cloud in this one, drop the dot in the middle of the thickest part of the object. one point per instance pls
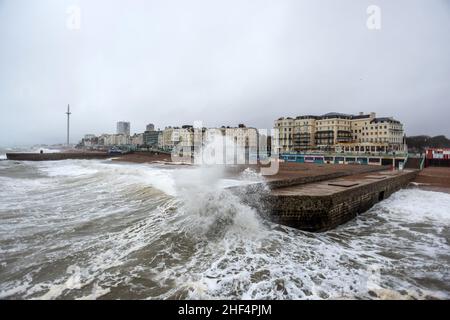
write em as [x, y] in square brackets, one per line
[222, 62]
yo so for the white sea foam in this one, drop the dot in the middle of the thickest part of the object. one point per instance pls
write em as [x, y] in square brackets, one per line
[208, 208]
[114, 172]
[419, 206]
[44, 150]
[113, 230]
[285, 263]
[68, 169]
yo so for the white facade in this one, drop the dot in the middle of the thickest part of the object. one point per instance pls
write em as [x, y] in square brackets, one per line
[185, 138]
[137, 139]
[173, 136]
[341, 133]
[115, 139]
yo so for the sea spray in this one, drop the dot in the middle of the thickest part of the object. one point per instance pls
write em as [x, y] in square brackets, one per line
[209, 209]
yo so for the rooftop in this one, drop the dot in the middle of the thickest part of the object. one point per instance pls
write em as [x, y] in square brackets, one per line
[333, 115]
[385, 119]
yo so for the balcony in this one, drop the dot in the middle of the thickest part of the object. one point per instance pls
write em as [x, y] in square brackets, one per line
[344, 136]
[326, 134]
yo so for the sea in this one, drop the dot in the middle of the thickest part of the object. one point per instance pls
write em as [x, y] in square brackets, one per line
[99, 229]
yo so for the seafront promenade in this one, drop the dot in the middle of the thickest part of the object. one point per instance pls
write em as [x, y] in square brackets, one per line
[434, 179]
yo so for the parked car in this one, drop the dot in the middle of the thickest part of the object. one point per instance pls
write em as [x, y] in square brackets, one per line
[114, 151]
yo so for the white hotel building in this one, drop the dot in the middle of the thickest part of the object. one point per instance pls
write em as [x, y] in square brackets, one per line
[337, 132]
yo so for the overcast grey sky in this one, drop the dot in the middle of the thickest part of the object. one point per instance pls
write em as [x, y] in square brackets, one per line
[223, 62]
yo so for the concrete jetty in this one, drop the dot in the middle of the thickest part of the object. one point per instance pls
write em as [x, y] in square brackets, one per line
[56, 156]
[324, 205]
[294, 174]
[319, 197]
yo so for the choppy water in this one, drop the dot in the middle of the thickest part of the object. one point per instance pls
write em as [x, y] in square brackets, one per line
[97, 229]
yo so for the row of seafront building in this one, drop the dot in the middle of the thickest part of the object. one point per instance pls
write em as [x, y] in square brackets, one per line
[331, 133]
[182, 138]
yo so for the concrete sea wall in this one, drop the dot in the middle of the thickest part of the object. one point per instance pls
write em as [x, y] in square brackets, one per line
[56, 156]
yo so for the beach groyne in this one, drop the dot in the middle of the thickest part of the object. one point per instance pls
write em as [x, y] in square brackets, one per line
[57, 156]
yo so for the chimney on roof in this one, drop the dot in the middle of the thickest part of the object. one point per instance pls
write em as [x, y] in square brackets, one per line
[361, 113]
[372, 114]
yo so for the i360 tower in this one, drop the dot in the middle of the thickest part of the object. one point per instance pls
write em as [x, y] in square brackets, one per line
[68, 123]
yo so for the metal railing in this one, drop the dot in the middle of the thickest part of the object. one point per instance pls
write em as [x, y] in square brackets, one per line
[422, 163]
[349, 154]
